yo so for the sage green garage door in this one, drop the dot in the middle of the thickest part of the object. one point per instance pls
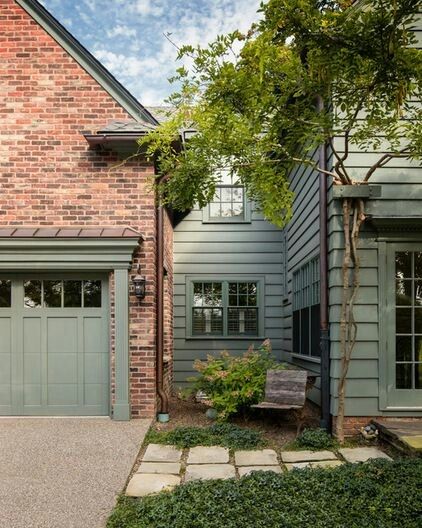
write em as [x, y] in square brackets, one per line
[54, 356]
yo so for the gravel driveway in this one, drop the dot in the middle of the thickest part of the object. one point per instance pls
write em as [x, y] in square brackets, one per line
[64, 472]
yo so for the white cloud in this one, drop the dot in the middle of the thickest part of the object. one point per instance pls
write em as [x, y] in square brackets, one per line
[121, 30]
[147, 7]
[127, 36]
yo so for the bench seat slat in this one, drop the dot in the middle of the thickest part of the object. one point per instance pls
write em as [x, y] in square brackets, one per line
[270, 405]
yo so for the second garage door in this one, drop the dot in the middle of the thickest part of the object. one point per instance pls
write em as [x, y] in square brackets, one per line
[54, 353]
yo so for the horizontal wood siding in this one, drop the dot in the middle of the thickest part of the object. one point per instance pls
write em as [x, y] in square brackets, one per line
[218, 250]
[401, 182]
[302, 244]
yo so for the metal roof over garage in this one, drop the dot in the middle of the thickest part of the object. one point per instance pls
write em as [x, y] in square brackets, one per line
[69, 232]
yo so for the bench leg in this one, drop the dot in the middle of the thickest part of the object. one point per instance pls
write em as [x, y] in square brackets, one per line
[300, 420]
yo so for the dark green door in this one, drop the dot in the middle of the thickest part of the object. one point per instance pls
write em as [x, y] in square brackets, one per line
[404, 326]
[54, 345]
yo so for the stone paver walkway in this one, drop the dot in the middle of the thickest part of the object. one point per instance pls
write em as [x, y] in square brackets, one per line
[163, 467]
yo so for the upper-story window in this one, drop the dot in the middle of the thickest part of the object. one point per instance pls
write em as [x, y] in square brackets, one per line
[229, 203]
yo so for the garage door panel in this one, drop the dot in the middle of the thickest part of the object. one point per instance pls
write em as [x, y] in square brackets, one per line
[93, 335]
[32, 335]
[5, 398]
[5, 333]
[32, 369]
[95, 393]
[62, 368]
[32, 358]
[95, 368]
[62, 335]
[5, 364]
[32, 394]
[5, 369]
[62, 394]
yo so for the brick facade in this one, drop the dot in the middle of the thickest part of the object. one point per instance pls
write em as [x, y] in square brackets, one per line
[50, 177]
[353, 424]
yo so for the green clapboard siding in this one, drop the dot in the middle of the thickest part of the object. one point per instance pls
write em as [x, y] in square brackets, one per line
[302, 244]
[401, 182]
[222, 250]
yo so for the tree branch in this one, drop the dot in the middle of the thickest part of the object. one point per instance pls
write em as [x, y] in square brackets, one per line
[383, 161]
[343, 172]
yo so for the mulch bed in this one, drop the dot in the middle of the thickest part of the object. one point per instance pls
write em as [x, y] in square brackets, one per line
[277, 427]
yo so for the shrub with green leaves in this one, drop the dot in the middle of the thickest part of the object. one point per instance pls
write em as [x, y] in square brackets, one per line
[378, 494]
[234, 383]
[224, 434]
[315, 439]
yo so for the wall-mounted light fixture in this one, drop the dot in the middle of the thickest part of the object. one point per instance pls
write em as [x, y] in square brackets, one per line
[139, 285]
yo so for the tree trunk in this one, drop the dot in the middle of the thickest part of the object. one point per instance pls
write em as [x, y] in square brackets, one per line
[351, 283]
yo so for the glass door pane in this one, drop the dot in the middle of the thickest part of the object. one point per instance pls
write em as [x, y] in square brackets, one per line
[408, 310]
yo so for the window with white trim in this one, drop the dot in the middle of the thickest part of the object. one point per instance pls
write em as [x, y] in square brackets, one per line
[229, 203]
[306, 312]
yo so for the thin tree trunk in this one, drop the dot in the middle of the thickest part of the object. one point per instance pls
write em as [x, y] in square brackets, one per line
[344, 318]
[348, 326]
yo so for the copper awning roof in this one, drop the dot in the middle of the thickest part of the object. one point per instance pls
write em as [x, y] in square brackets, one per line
[69, 232]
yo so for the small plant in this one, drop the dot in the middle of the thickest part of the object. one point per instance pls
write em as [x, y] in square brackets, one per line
[234, 383]
[372, 495]
[226, 435]
[315, 439]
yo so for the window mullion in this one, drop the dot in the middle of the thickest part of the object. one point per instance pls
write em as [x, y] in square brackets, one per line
[225, 299]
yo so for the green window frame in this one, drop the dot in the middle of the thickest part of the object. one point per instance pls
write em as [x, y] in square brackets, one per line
[225, 308]
[306, 310]
[230, 204]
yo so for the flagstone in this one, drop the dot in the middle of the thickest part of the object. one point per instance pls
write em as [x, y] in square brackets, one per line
[362, 454]
[142, 484]
[208, 455]
[209, 471]
[162, 453]
[263, 457]
[306, 456]
[169, 468]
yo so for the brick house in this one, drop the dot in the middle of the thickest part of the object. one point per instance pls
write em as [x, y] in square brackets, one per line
[75, 231]
[77, 226]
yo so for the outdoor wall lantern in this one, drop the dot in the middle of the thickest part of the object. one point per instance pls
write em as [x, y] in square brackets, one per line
[139, 285]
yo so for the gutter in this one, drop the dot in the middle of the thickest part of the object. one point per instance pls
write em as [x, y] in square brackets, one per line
[163, 409]
[325, 421]
[104, 139]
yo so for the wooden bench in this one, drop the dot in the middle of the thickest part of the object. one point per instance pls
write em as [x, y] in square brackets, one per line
[287, 390]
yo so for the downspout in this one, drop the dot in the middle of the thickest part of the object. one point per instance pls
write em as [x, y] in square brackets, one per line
[163, 409]
[325, 421]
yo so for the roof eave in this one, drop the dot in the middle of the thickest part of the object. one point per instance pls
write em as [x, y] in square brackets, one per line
[101, 140]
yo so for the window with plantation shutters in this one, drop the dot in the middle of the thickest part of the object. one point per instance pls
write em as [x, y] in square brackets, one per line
[229, 308]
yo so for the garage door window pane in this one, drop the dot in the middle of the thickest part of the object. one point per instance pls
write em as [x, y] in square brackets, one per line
[32, 290]
[72, 293]
[5, 294]
[53, 293]
[92, 294]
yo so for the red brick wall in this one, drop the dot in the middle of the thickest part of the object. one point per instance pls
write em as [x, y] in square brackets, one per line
[48, 175]
[353, 424]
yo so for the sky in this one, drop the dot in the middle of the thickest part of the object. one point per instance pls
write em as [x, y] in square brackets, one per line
[128, 36]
